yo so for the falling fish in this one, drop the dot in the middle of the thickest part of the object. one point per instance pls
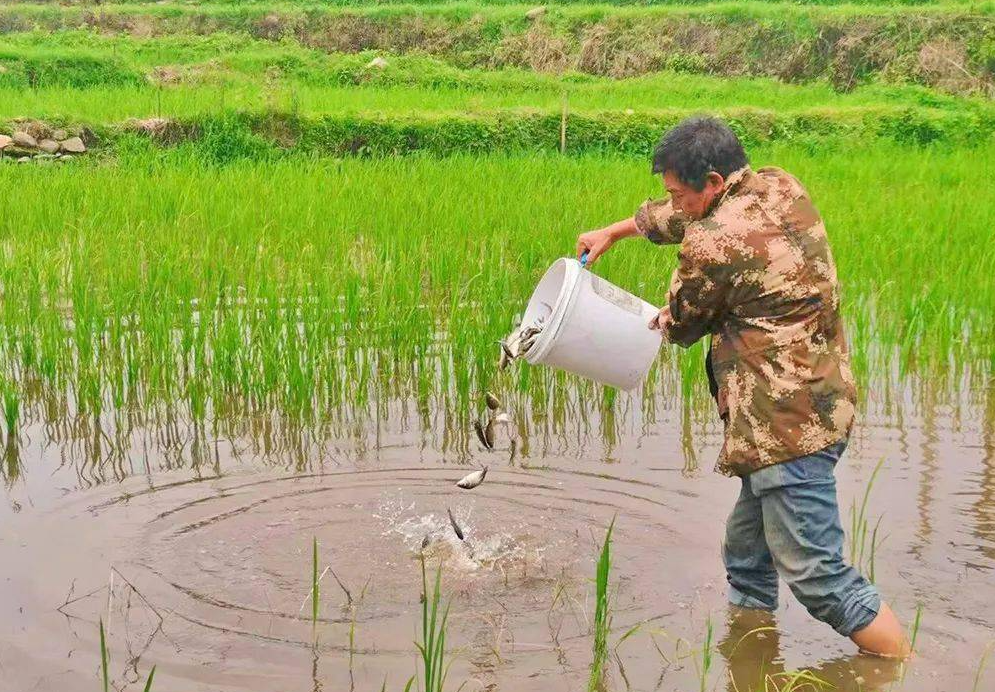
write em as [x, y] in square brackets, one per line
[472, 480]
[519, 342]
[482, 434]
[456, 528]
[493, 403]
[489, 434]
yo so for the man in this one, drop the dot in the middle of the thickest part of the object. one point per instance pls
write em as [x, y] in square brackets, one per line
[756, 274]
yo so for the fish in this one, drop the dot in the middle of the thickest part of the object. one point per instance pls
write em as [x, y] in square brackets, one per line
[502, 417]
[513, 447]
[489, 434]
[482, 435]
[493, 403]
[504, 358]
[452, 521]
[472, 480]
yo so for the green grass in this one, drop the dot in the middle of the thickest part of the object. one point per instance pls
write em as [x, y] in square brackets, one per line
[310, 287]
[88, 77]
[863, 547]
[602, 615]
[432, 647]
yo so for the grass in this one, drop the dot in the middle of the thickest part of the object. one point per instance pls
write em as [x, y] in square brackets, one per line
[217, 292]
[863, 547]
[432, 646]
[83, 76]
[602, 615]
[105, 661]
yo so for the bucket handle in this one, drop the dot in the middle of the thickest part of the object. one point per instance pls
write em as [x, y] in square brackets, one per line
[583, 258]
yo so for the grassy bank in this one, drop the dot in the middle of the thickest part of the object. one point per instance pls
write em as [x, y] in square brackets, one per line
[945, 46]
[307, 286]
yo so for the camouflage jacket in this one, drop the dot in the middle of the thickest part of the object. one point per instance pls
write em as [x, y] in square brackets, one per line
[756, 273]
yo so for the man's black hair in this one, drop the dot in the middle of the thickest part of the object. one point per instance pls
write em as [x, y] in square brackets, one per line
[697, 146]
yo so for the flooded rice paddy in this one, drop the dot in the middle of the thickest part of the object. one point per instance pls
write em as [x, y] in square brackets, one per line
[195, 550]
[205, 370]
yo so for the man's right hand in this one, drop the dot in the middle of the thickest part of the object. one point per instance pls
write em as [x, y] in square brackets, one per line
[595, 244]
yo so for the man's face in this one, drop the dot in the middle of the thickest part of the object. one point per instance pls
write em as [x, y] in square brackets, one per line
[693, 203]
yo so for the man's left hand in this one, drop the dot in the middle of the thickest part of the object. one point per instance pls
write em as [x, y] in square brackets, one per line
[662, 319]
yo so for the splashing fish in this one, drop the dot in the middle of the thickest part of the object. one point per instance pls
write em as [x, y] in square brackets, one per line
[456, 527]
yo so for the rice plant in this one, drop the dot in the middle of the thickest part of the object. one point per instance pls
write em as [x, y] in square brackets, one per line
[104, 658]
[863, 547]
[432, 647]
[704, 663]
[602, 614]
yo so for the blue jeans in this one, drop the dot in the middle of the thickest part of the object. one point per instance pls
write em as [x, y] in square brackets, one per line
[786, 522]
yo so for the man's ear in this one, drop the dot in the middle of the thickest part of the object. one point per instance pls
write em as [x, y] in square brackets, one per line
[715, 180]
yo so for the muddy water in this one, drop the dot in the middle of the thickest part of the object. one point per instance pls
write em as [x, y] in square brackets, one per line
[199, 560]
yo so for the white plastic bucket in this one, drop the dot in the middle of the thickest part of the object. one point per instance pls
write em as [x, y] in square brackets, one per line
[591, 327]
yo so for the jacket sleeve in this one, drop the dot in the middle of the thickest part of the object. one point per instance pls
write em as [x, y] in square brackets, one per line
[698, 292]
[657, 221]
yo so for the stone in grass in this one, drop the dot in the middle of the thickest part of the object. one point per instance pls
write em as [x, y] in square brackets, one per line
[24, 159]
[535, 13]
[74, 145]
[59, 135]
[5, 142]
[49, 146]
[66, 157]
[23, 139]
[377, 63]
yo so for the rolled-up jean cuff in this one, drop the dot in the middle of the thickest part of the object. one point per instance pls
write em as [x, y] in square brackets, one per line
[738, 598]
[856, 611]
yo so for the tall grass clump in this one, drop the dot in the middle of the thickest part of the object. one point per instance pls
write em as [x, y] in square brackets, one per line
[432, 646]
[863, 547]
[602, 614]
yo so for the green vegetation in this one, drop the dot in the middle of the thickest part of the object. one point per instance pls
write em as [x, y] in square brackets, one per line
[432, 646]
[602, 614]
[313, 287]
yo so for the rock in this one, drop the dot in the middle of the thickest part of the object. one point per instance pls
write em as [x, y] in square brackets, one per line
[74, 145]
[49, 146]
[24, 159]
[535, 13]
[377, 63]
[59, 135]
[14, 151]
[23, 139]
[36, 128]
[5, 142]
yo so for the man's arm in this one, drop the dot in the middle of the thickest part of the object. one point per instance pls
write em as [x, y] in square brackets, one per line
[596, 243]
[696, 299]
[655, 220]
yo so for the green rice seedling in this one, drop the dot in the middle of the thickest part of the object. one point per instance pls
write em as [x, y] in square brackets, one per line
[602, 614]
[148, 680]
[704, 664]
[104, 658]
[860, 543]
[432, 646]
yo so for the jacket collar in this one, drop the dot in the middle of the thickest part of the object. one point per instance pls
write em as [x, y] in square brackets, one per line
[732, 186]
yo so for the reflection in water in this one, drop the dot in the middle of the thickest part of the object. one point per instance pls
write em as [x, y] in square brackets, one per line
[751, 648]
